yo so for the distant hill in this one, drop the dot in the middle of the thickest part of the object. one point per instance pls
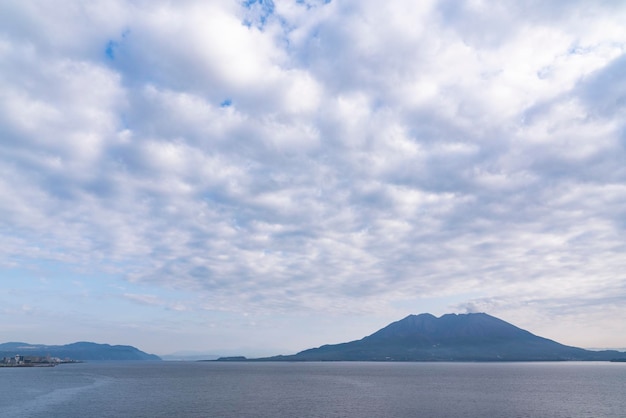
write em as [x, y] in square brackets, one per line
[76, 351]
[452, 337]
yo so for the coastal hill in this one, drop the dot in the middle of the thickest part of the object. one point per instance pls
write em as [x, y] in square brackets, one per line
[451, 337]
[76, 351]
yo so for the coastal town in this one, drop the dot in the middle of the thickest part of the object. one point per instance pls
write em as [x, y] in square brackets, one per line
[32, 361]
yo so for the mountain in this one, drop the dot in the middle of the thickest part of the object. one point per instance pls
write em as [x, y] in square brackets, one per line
[451, 337]
[76, 351]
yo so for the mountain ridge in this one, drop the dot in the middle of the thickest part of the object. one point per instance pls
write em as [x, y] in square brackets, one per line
[81, 350]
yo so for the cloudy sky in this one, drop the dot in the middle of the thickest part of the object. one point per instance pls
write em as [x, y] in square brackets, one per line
[266, 176]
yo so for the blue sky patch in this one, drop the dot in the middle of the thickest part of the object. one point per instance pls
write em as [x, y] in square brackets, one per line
[110, 49]
[258, 12]
[113, 46]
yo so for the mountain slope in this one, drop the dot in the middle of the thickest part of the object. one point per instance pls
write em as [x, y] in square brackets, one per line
[76, 351]
[452, 337]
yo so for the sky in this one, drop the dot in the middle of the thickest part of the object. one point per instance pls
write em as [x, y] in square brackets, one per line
[260, 177]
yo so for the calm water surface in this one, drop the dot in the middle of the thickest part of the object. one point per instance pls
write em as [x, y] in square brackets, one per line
[185, 389]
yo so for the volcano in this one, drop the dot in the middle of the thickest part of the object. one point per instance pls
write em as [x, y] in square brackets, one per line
[451, 337]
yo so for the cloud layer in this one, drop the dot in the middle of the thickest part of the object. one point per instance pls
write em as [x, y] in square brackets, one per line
[319, 157]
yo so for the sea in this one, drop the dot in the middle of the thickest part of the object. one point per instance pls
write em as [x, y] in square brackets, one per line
[315, 389]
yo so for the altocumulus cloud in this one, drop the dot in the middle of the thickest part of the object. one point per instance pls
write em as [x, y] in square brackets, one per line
[320, 156]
